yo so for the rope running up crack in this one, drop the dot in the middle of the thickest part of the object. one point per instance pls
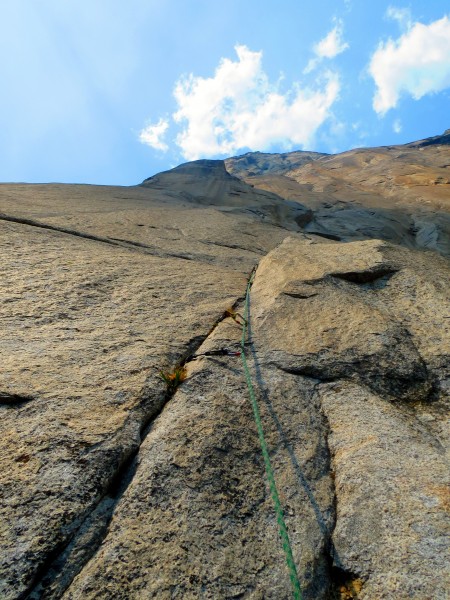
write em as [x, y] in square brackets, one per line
[297, 593]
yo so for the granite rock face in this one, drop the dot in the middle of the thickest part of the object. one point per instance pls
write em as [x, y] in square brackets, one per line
[113, 486]
[357, 320]
[258, 163]
[396, 193]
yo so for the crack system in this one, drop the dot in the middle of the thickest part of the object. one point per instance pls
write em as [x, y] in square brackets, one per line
[68, 558]
[117, 242]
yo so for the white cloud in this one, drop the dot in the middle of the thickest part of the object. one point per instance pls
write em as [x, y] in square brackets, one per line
[238, 108]
[397, 126]
[418, 63]
[332, 44]
[153, 135]
[328, 47]
[402, 15]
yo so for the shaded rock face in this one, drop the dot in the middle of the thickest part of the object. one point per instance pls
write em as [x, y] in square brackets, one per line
[257, 163]
[114, 487]
[207, 182]
[397, 193]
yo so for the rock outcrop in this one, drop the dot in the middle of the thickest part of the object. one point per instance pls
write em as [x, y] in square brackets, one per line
[114, 486]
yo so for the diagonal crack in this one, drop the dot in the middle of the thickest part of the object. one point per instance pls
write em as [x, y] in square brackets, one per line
[70, 557]
[118, 242]
[74, 232]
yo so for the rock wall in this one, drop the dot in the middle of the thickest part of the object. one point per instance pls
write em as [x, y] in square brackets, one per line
[353, 408]
[113, 486]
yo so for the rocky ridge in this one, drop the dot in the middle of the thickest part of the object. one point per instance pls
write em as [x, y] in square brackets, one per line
[396, 193]
[114, 487]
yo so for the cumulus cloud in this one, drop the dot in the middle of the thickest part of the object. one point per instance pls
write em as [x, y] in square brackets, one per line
[332, 44]
[402, 15]
[153, 135]
[328, 47]
[239, 108]
[417, 63]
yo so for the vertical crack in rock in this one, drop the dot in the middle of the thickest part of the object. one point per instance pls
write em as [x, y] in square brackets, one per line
[308, 456]
[344, 585]
[390, 479]
[341, 583]
[68, 559]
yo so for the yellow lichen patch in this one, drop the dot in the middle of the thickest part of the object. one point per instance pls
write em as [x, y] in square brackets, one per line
[349, 590]
[441, 495]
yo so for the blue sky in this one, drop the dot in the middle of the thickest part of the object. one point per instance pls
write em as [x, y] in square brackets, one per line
[111, 92]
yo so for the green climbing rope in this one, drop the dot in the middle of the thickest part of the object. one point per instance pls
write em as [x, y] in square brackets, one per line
[265, 452]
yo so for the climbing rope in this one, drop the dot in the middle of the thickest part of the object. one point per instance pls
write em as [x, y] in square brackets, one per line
[265, 452]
